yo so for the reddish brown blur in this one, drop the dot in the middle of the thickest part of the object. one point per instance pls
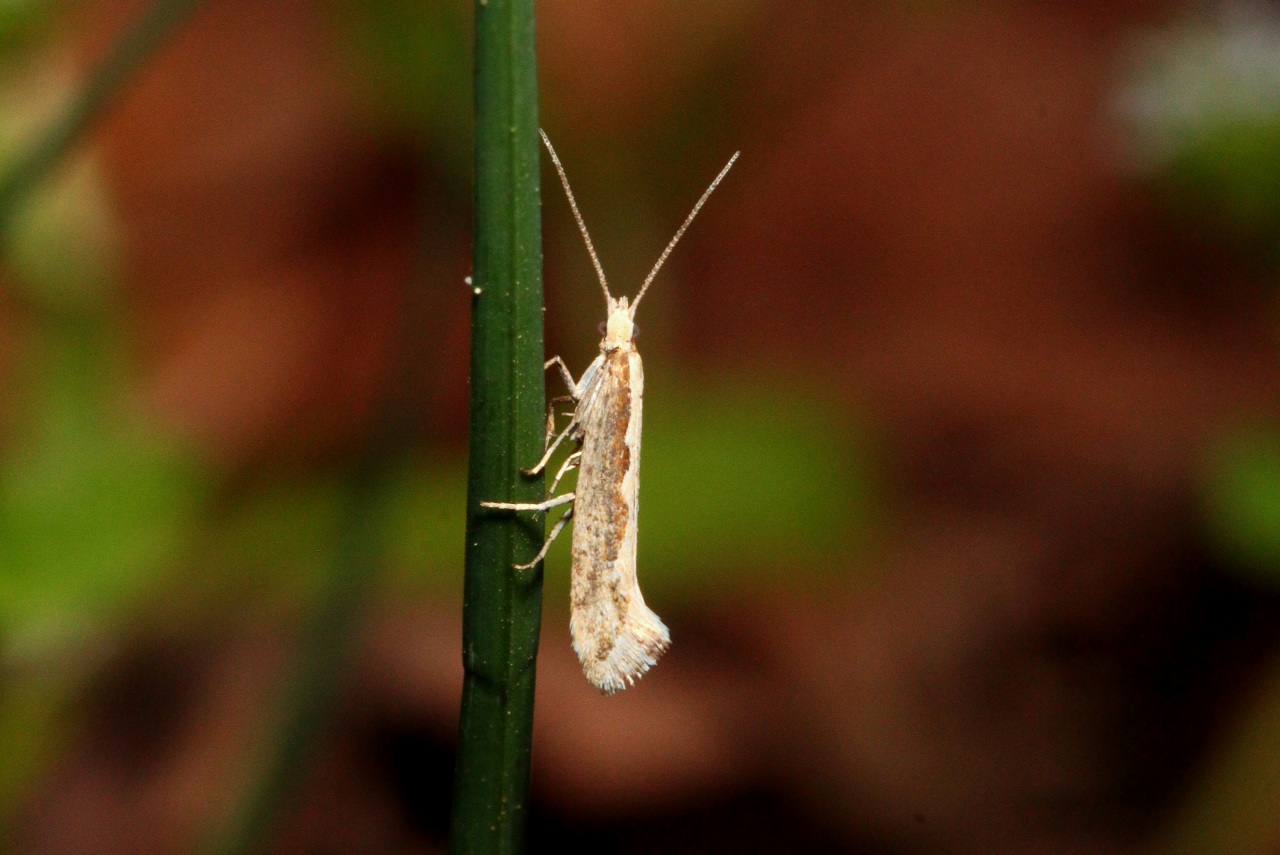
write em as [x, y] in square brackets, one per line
[1037, 652]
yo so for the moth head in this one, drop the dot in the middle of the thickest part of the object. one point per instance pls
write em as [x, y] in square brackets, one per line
[619, 328]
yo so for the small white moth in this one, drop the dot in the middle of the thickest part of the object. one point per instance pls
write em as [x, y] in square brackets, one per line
[616, 636]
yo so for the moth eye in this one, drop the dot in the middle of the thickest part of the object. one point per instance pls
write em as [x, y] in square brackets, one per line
[602, 328]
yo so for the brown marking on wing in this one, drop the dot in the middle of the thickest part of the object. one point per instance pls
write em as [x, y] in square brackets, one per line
[616, 636]
[618, 455]
[601, 508]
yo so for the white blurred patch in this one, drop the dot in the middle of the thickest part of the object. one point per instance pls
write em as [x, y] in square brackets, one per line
[1220, 68]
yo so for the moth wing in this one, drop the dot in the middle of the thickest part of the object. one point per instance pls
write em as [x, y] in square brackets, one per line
[615, 634]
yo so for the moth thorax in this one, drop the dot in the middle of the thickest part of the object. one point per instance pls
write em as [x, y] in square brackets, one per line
[618, 329]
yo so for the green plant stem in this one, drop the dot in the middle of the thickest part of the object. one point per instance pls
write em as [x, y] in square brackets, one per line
[311, 690]
[129, 53]
[502, 606]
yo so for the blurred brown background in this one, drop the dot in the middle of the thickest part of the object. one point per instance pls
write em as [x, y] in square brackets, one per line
[962, 466]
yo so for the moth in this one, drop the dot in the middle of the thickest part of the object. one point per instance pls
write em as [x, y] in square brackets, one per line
[616, 636]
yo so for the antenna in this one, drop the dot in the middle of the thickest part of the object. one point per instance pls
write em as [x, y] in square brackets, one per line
[582, 227]
[680, 231]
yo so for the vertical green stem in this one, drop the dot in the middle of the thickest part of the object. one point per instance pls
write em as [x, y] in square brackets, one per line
[129, 53]
[309, 696]
[502, 606]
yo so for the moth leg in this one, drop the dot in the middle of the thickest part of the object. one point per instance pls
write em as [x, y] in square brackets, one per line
[555, 532]
[551, 415]
[570, 462]
[542, 464]
[565, 374]
[553, 502]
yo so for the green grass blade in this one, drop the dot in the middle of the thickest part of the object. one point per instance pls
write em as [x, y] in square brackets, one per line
[501, 606]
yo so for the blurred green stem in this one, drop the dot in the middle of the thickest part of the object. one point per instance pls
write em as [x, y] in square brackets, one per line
[502, 606]
[129, 53]
[310, 694]
[1232, 809]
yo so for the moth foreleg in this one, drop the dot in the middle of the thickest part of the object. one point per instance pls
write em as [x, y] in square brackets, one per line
[555, 532]
[565, 374]
[570, 462]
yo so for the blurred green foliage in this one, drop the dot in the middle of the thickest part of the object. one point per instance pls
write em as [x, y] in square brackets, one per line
[1230, 179]
[743, 476]
[34, 719]
[738, 479]
[90, 511]
[426, 518]
[261, 551]
[60, 248]
[95, 502]
[1243, 500]
[416, 61]
[98, 503]
[22, 22]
